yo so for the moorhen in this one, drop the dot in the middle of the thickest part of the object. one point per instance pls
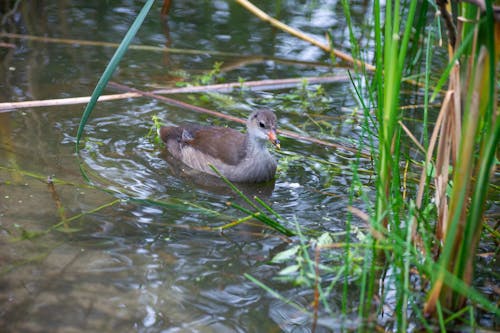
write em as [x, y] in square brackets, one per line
[238, 157]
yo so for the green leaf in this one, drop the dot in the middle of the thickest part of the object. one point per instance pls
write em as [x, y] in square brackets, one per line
[108, 72]
[325, 239]
[289, 270]
[288, 254]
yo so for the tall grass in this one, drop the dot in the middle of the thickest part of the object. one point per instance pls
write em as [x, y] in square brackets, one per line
[478, 133]
[390, 50]
[466, 135]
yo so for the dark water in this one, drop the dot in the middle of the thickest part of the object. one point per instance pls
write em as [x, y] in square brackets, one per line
[131, 265]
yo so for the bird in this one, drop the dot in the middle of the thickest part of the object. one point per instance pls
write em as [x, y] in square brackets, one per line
[238, 157]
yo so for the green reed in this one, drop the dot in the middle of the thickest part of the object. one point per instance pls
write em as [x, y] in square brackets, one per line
[111, 67]
[411, 227]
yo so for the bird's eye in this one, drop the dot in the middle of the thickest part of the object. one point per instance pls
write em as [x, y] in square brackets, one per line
[262, 125]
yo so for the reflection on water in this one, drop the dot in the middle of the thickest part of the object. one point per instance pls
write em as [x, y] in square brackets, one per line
[137, 265]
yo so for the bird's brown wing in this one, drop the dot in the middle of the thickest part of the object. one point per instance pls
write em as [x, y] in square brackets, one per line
[223, 143]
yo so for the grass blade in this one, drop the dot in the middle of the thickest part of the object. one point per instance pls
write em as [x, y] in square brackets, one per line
[108, 72]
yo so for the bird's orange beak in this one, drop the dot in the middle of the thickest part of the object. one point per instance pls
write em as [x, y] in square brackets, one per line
[274, 138]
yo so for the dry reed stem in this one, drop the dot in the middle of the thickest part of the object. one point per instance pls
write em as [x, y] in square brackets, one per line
[405, 178]
[366, 218]
[446, 152]
[317, 276]
[297, 33]
[441, 182]
[461, 193]
[12, 106]
[7, 45]
[434, 138]
[200, 109]
[411, 136]
[114, 45]
[165, 9]
[81, 42]
[428, 159]
[467, 169]
[359, 213]
[225, 87]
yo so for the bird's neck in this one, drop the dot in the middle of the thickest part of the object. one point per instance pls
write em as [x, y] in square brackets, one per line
[254, 144]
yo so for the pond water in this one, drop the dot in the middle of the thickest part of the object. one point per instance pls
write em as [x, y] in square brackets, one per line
[128, 264]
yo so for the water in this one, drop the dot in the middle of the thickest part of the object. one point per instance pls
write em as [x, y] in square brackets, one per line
[132, 265]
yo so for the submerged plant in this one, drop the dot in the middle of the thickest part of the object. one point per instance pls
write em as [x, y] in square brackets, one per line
[152, 134]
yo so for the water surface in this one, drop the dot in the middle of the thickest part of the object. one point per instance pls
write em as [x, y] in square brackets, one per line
[128, 264]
